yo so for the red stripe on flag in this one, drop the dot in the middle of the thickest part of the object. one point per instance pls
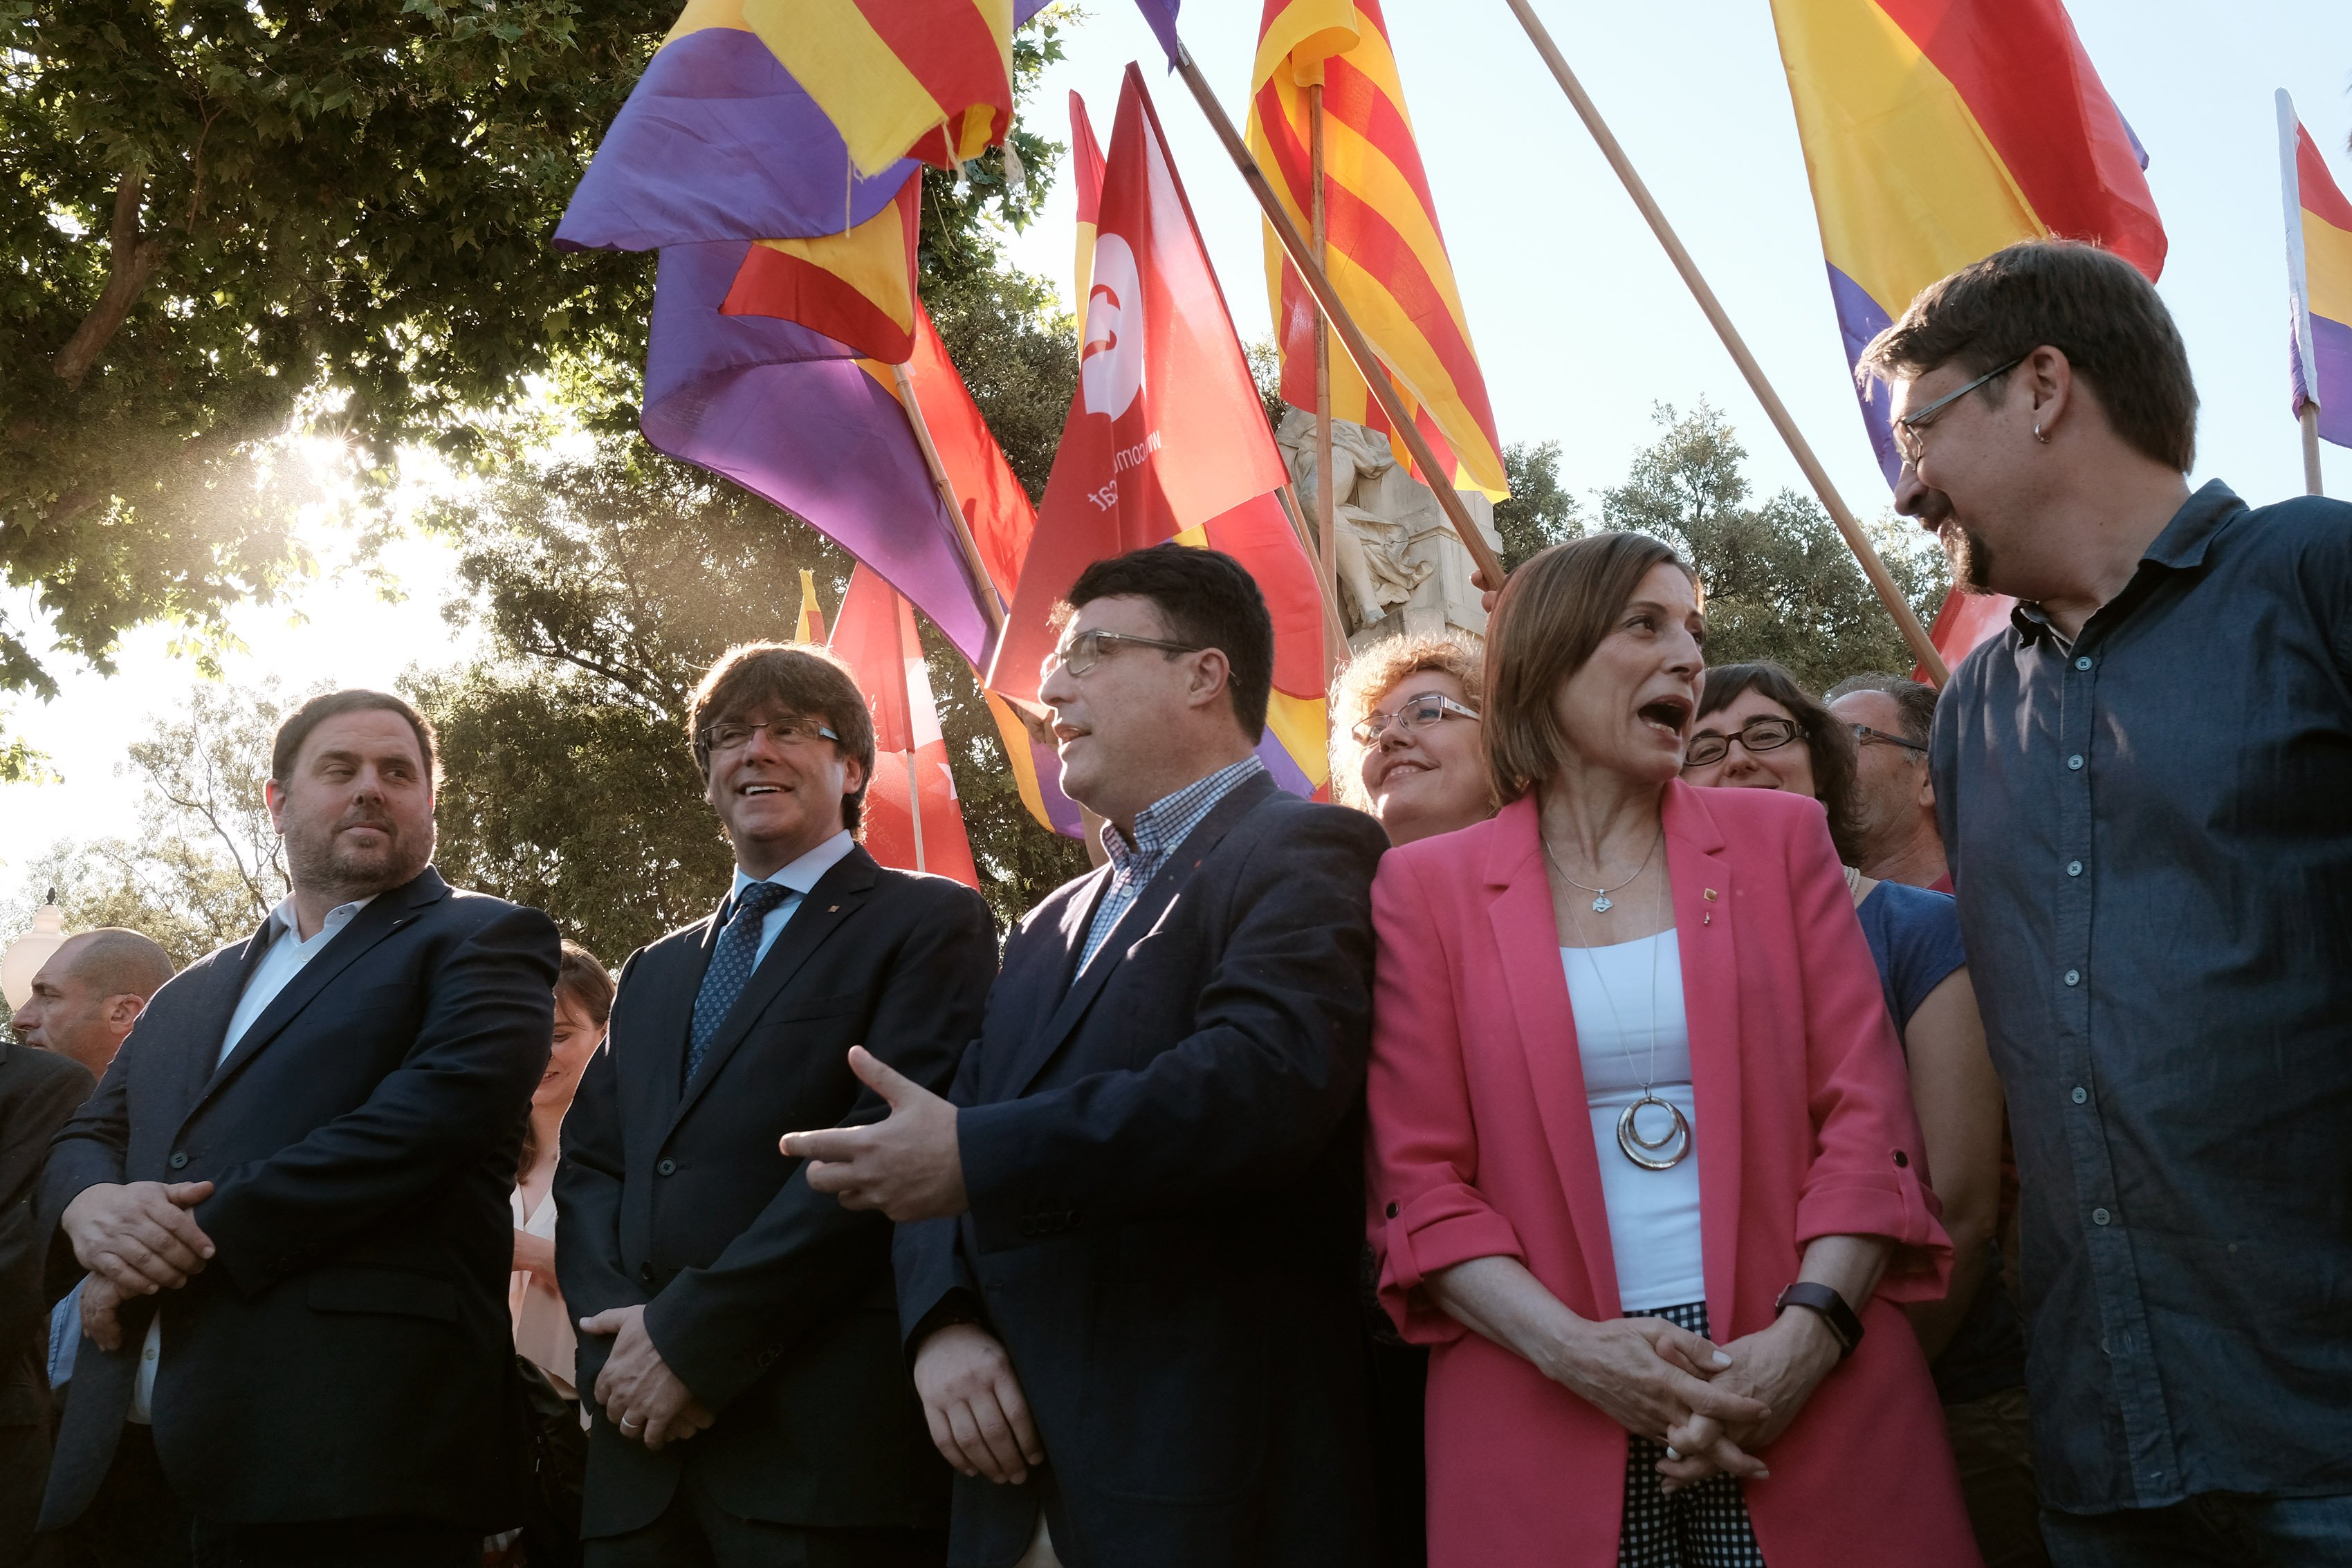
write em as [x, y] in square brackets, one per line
[2023, 74]
[1356, 101]
[772, 283]
[2316, 187]
[1359, 231]
[1086, 162]
[947, 45]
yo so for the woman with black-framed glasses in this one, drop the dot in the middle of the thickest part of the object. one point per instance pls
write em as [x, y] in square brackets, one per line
[1757, 728]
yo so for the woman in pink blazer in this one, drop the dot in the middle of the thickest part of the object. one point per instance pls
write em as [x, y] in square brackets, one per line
[1645, 1171]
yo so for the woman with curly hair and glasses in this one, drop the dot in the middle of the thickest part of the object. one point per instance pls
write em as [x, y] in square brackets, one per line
[1406, 746]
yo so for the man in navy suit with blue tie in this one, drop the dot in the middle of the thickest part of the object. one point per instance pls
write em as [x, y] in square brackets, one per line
[739, 1337]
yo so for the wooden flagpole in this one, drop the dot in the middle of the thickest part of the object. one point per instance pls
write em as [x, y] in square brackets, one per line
[1326, 503]
[2311, 450]
[1351, 337]
[990, 604]
[1922, 647]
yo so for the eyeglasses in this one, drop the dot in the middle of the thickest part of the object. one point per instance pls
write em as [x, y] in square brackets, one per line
[1758, 735]
[1906, 429]
[1414, 713]
[1085, 651]
[1866, 736]
[785, 732]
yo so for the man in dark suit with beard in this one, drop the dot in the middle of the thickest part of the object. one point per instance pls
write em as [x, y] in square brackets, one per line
[291, 1194]
[739, 1331]
[1129, 1237]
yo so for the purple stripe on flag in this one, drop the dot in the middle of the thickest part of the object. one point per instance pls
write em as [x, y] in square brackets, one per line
[784, 412]
[1159, 15]
[2331, 344]
[717, 142]
[1861, 319]
[1283, 766]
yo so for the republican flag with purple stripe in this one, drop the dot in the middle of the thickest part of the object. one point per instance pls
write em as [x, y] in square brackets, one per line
[2319, 280]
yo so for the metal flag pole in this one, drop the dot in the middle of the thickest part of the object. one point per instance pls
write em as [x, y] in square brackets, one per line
[1351, 337]
[990, 604]
[1922, 647]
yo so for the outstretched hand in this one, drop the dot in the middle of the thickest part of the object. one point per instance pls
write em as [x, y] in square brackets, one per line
[908, 1164]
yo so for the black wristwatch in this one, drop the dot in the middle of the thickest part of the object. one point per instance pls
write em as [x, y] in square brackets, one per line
[1831, 1307]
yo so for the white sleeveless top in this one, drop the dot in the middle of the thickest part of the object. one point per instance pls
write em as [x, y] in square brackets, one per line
[1627, 999]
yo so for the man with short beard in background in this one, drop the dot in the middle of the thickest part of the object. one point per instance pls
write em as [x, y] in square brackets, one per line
[290, 1194]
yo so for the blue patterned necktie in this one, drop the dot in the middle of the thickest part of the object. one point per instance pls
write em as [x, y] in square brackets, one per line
[730, 965]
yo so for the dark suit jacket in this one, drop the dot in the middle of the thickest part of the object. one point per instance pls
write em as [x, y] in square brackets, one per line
[773, 1302]
[347, 1352]
[38, 1090]
[1164, 1165]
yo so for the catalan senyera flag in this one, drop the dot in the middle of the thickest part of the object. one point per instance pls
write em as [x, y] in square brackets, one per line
[912, 819]
[929, 78]
[795, 417]
[856, 287]
[1936, 132]
[1386, 256]
[1167, 440]
[1085, 184]
[2319, 279]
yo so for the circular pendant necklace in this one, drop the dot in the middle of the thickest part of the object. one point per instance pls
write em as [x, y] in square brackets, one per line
[1673, 1145]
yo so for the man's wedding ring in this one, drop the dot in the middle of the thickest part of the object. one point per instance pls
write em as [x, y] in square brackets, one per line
[629, 1426]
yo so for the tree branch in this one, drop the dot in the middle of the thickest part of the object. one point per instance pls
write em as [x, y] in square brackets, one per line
[132, 262]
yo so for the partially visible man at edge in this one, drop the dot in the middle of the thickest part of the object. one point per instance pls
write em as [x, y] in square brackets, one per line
[1133, 1309]
[1895, 792]
[290, 1192]
[2145, 786]
[85, 999]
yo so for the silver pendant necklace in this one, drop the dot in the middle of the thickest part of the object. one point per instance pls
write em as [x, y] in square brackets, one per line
[1602, 902]
[1673, 1145]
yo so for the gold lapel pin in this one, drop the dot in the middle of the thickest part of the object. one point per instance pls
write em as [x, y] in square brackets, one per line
[832, 908]
[1710, 894]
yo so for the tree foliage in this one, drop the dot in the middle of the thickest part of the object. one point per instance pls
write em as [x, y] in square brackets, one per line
[1781, 583]
[226, 219]
[1541, 512]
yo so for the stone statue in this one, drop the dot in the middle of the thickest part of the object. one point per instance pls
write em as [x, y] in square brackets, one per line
[1401, 567]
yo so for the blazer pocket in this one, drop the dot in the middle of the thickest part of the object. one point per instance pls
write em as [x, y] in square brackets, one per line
[807, 1009]
[404, 1292]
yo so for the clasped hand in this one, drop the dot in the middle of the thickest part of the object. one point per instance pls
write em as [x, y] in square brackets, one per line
[1777, 1367]
[135, 1239]
[908, 1164]
[642, 1397]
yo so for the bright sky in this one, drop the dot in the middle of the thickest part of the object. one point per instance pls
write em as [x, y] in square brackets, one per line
[1581, 323]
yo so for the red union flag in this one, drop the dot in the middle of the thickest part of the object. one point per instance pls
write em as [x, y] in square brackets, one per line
[1167, 440]
[912, 819]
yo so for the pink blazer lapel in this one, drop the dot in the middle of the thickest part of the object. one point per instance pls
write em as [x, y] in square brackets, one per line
[1701, 878]
[1527, 940]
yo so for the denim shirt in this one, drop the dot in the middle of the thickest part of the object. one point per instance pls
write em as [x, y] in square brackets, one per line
[2150, 831]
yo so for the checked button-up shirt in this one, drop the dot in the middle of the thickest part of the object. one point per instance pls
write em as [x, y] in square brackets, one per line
[1159, 828]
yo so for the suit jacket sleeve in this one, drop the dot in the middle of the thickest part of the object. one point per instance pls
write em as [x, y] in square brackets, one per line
[88, 1149]
[482, 1046]
[1249, 1099]
[588, 1263]
[1868, 1170]
[806, 1256]
[42, 1093]
[930, 1268]
[1427, 1212]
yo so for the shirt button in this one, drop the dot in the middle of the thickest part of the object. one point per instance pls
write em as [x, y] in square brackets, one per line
[2074, 868]
[670, 1167]
[2100, 1217]
[2080, 1094]
[2073, 977]
[2084, 662]
[2075, 762]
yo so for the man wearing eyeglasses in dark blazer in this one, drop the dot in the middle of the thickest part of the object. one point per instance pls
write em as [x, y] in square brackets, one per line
[739, 1337]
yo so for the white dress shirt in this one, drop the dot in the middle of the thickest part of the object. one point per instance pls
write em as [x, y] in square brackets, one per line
[286, 955]
[801, 876]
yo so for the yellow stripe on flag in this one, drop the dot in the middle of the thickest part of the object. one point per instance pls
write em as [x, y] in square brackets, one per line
[1299, 724]
[1305, 34]
[2327, 267]
[837, 58]
[1907, 185]
[870, 258]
